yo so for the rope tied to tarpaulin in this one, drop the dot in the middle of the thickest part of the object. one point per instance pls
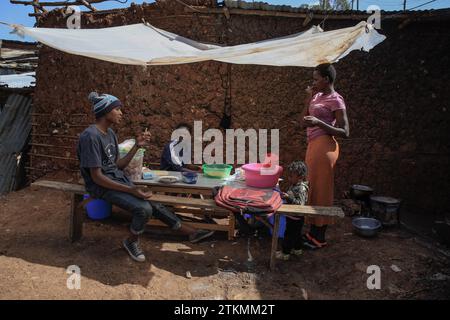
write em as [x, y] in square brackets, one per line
[156, 30]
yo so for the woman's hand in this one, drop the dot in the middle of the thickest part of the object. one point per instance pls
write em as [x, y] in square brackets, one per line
[311, 121]
[143, 139]
[310, 92]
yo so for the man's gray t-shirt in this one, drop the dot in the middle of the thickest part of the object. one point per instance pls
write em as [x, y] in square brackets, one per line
[99, 150]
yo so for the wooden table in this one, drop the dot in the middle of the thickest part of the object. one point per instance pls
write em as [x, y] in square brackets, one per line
[204, 185]
[204, 188]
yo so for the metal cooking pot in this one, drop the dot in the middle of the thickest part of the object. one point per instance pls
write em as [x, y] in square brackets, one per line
[386, 209]
[360, 192]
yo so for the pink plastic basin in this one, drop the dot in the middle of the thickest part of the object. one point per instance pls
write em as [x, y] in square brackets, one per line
[255, 178]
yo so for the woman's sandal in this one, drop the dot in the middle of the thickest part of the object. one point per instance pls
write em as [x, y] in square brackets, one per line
[312, 243]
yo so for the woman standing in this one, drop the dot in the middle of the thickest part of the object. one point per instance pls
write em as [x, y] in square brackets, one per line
[325, 118]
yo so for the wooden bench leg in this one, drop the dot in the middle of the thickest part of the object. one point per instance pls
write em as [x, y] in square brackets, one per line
[232, 226]
[273, 251]
[76, 218]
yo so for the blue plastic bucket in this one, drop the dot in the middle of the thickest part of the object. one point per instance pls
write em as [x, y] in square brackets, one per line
[282, 227]
[98, 209]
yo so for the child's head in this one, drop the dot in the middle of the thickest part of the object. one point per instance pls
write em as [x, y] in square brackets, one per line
[297, 172]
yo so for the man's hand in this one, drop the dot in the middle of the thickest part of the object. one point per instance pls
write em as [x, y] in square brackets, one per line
[143, 139]
[311, 121]
[284, 195]
[139, 193]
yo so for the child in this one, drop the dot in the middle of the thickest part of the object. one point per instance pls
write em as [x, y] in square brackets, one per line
[171, 160]
[296, 194]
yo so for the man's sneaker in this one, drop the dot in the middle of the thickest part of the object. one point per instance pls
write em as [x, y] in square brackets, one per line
[282, 256]
[134, 250]
[298, 252]
[200, 235]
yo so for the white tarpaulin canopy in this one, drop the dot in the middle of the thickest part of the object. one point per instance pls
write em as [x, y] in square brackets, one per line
[143, 44]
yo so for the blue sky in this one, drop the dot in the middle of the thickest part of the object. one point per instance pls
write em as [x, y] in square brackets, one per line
[19, 14]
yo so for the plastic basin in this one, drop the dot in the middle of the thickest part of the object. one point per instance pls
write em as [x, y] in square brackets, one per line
[259, 177]
[218, 171]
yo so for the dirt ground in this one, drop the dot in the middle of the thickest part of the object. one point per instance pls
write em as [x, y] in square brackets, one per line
[35, 252]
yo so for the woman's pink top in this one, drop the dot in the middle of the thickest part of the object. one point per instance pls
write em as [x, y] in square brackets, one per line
[322, 106]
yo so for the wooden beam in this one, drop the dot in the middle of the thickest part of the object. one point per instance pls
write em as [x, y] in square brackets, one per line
[196, 225]
[51, 157]
[37, 15]
[53, 136]
[36, 10]
[56, 4]
[51, 146]
[168, 189]
[88, 5]
[63, 186]
[234, 11]
[300, 210]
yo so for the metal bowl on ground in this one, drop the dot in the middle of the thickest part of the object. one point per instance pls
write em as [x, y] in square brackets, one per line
[366, 227]
[360, 192]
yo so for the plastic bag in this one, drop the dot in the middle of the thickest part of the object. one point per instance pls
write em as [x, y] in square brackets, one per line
[134, 169]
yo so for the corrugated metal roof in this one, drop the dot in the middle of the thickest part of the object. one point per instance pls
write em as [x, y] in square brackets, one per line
[15, 127]
[18, 56]
[259, 5]
[22, 80]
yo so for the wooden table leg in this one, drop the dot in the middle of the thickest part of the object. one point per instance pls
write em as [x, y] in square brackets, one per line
[273, 251]
[76, 217]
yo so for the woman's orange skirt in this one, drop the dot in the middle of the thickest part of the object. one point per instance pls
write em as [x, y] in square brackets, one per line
[321, 156]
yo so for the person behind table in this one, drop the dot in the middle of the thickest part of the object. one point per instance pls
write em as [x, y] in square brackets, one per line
[101, 169]
[171, 160]
[297, 193]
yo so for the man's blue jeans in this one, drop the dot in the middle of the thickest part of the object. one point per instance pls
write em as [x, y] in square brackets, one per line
[142, 210]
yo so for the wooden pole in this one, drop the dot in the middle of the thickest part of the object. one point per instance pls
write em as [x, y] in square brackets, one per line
[56, 4]
[36, 10]
[404, 5]
[88, 5]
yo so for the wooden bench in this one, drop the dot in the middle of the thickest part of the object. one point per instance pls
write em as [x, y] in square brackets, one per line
[298, 211]
[186, 205]
[77, 212]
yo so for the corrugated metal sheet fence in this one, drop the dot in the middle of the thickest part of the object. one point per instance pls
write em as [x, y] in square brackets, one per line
[15, 127]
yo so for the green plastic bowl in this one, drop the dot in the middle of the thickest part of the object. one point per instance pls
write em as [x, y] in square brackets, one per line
[218, 171]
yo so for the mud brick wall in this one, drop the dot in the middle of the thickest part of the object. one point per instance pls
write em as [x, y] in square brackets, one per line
[396, 97]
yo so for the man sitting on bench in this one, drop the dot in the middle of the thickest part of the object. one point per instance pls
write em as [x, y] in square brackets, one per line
[101, 169]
